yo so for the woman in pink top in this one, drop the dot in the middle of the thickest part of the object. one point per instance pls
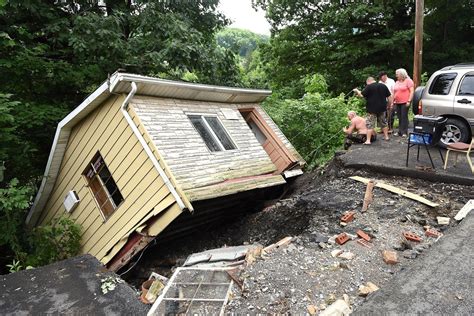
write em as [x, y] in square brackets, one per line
[402, 96]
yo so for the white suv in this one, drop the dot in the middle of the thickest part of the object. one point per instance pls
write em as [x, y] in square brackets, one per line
[449, 93]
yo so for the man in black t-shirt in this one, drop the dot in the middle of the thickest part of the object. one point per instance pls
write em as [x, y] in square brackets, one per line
[377, 96]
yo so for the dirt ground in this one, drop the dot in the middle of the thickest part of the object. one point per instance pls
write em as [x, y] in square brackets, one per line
[304, 273]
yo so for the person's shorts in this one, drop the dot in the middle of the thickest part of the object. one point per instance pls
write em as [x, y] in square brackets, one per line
[373, 118]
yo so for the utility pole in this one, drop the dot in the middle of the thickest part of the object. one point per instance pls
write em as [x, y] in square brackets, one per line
[418, 51]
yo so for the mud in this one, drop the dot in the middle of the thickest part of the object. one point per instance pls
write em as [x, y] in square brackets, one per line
[304, 273]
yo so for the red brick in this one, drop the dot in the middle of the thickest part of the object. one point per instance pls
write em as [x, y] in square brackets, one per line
[342, 238]
[363, 235]
[433, 233]
[348, 217]
[390, 257]
[412, 236]
[364, 243]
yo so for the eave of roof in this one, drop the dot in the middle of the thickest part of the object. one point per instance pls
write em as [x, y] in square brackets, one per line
[120, 83]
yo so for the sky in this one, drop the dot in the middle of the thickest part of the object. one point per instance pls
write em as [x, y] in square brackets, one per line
[243, 16]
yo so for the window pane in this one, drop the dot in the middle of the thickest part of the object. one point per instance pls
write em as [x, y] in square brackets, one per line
[205, 134]
[220, 132]
[110, 185]
[467, 86]
[442, 84]
[103, 186]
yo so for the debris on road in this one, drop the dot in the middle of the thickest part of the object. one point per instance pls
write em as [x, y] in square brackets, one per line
[469, 206]
[363, 235]
[340, 307]
[368, 196]
[411, 237]
[393, 189]
[390, 257]
[443, 220]
[366, 289]
[319, 263]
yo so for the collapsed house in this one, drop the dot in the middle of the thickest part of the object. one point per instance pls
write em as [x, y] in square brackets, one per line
[142, 153]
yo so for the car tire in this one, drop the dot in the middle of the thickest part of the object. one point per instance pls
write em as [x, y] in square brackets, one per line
[455, 130]
[416, 99]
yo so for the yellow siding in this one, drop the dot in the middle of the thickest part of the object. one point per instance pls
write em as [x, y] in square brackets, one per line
[106, 130]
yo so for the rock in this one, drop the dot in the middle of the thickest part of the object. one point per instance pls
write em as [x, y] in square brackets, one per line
[442, 220]
[410, 254]
[347, 255]
[338, 308]
[389, 257]
[366, 289]
[312, 310]
[422, 221]
[336, 252]
[320, 239]
[322, 245]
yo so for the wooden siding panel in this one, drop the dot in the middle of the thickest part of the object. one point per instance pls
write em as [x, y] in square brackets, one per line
[184, 151]
[93, 140]
[106, 130]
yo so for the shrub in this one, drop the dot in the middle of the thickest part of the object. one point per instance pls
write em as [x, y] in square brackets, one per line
[14, 202]
[58, 241]
[314, 123]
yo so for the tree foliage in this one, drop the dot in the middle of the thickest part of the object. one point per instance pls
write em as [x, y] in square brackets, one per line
[54, 53]
[314, 122]
[240, 42]
[349, 40]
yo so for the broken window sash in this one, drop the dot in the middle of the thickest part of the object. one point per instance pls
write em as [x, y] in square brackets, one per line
[194, 291]
[103, 186]
[212, 132]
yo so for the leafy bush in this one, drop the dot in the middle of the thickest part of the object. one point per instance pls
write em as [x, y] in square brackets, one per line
[58, 241]
[313, 123]
[14, 201]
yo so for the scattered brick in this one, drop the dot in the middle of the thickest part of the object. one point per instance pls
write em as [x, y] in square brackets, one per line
[342, 238]
[412, 236]
[364, 243]
[363, 235]
[390, 257]
[348, 217]
[431, 232]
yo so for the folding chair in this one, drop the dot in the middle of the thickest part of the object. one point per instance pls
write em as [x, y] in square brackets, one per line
[457, 148]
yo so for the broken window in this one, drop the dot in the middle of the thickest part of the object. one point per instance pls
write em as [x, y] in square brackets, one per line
[193, 291]
[103, 186]
[212, 132]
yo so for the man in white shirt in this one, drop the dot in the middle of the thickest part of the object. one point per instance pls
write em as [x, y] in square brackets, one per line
[390, 83]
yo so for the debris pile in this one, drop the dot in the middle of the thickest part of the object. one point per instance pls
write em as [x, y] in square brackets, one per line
[329, 244]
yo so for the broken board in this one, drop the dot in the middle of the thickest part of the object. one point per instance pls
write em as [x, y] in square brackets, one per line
[465, 210]
[396, 190]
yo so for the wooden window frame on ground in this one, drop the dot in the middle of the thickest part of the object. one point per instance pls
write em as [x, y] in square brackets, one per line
[205, 120]
[103, 187]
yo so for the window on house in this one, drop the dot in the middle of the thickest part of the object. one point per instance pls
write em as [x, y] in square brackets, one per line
[212, 132]
[103, 186]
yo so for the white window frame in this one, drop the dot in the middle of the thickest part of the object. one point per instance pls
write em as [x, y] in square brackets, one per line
[211, 131]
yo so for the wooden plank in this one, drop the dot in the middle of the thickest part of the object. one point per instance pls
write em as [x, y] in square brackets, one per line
[469, 206]
[396, 190]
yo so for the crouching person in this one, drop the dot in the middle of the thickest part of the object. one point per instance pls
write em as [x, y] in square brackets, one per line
[357, 130]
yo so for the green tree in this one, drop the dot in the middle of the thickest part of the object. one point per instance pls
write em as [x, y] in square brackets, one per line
[240, 42]
[312, 123]
[54, 53]
[348, 40]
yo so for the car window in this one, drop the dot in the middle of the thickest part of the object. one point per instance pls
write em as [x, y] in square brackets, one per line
[467, 85]
[442, 83]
